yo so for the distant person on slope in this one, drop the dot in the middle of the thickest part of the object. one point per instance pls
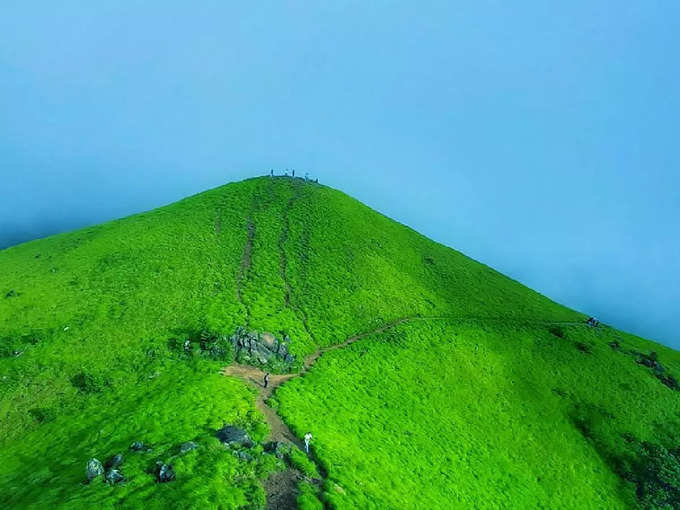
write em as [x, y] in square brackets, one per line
[266, 379]
[308, 439]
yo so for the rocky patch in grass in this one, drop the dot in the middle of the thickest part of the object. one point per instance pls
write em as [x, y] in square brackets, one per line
[246, 347]
[261, 348]
[651, 361]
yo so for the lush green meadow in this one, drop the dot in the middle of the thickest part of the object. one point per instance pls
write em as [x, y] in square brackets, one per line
[486, 409]
[460, 414]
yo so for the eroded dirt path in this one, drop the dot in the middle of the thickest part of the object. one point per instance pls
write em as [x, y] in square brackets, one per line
[255, 377]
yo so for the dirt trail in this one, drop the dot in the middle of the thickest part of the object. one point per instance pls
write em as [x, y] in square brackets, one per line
[281, 489]
[255, 377]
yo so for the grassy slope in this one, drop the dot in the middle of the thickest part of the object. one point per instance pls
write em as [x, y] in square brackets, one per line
[102, 302]
[484, 416]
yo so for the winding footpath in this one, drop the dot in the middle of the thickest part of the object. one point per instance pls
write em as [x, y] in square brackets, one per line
[283, 492]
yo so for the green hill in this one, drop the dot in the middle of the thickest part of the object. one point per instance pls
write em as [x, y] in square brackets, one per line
[469, 389]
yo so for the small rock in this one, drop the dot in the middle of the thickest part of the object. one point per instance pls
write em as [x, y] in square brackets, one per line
[243, 455]
[114, 461]
[12, 293]
[138, 446]
[165, 472]
[114, 476]
[94, 469]
[229, 434]
[187, 447]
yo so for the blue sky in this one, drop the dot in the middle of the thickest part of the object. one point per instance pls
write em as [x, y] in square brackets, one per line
[538, 138]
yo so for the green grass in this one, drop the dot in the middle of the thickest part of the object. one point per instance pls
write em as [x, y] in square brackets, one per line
[502, 409]
[479, 415]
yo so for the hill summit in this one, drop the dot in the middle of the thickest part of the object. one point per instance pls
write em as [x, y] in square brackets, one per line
[424, 379]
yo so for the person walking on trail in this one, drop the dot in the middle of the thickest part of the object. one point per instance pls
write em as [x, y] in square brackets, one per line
[266, 379]
[308, 439]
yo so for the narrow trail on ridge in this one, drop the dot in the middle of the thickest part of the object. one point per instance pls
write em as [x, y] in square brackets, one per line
[282, 494]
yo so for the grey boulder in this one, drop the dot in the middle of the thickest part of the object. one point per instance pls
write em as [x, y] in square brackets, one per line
[93, 469]
[115, 461]
[114, 476]
[229, 435]
[165, 472]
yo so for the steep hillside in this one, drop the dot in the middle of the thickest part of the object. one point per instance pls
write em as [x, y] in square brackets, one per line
[473, 390]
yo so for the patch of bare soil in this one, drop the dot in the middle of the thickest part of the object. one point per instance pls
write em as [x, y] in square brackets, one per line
[281, 489]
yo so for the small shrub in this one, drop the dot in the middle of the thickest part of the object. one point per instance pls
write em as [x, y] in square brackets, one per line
[88, 383]
[669, 381]
[218, 347]
[583, 347]
[556, 331]
[656, 472]
[42, 414]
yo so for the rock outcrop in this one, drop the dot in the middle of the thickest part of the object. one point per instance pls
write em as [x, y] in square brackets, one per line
[260, 348]
[232, 435]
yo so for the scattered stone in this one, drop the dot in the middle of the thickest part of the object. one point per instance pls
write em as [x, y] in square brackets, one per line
[187, 447]
[114, 461]
[113, 476]
[12, 293]
[615, 344]
[243, 455]
[138, 446]
[338, 489]
[277, 448]
[229, 435]
[165, 472]
[94, 469]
